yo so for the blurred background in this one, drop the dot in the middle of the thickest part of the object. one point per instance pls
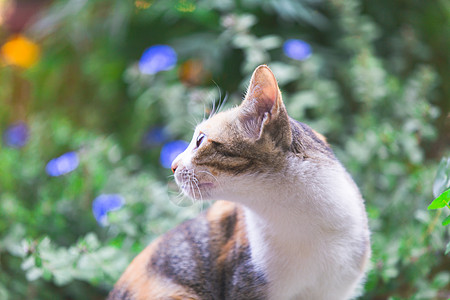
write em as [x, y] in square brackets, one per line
[97, 97]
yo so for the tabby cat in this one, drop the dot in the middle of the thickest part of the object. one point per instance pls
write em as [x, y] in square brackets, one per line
[294, 224]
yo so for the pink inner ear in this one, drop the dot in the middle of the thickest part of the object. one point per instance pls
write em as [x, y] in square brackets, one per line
[263, 90]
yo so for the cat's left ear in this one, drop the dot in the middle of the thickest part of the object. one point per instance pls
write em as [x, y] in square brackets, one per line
[262, 109]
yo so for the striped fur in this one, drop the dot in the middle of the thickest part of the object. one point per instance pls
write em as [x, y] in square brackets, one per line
[205, 258]
[294, 225]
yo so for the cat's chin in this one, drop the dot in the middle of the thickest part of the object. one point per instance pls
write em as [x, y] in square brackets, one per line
[198, 191]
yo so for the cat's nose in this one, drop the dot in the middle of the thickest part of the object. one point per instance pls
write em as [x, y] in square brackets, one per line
[174, 166]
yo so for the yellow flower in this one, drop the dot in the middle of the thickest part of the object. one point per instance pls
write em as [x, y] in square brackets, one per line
[20, 51]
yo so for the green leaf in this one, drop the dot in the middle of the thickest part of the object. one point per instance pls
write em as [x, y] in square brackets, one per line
[440, 201]
[447, 251]
[446, 221]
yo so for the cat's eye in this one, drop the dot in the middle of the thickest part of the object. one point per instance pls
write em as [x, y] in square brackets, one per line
[200, 139]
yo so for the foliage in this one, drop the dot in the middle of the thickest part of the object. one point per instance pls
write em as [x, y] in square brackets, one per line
[92, 115]
[441, 189]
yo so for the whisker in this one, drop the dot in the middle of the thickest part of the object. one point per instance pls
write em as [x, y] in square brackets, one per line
[191, 187]
[198, 189]
[214, 177]
[204, 111]
[178, 198]
[194, 122]
[225, 99]
[208, 173]
[194, 199]
[214, 110]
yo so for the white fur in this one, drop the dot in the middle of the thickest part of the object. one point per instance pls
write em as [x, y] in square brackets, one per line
[306, 233]
[307, 228]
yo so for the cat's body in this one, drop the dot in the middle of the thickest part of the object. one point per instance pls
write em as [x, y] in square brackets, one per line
[295, 228]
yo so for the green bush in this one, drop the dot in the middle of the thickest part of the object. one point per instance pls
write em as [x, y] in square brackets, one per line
[375, 85]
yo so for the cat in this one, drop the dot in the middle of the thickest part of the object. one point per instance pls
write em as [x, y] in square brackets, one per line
[293, 225]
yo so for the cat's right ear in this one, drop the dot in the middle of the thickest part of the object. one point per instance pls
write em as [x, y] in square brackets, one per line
[262, 104]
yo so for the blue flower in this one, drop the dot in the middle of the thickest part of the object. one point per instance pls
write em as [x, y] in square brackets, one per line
[62, 165]
[157, 58]
[297, 49]
[170, 151]
[104, 204]
[16, 135]
[155, 136]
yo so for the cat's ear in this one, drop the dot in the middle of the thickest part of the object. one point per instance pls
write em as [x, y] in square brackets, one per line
[262, 105]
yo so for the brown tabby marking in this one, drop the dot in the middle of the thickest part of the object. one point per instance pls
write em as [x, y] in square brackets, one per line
[320, 137]
[308, 143]
[137, 283]
[204, 258]
[229, 217]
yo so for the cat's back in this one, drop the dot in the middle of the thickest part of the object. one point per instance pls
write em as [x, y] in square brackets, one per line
[204, 258]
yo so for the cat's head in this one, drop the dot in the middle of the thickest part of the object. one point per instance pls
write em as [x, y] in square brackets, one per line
[241, 149]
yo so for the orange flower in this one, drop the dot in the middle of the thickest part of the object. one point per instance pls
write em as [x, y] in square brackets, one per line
[141, 4]
[192, 72]
[20, 51]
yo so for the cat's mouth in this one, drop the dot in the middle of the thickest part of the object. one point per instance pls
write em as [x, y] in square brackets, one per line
[195, 184]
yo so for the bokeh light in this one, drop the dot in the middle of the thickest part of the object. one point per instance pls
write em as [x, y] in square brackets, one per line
[20, 51]
[170, 151]
[141, 4]
[155, 137]
[192, 72]
[297, 49]
[62, 165]
[157, 58]
[104, 204]
[4, 6]
[16, 135]
[185, 6]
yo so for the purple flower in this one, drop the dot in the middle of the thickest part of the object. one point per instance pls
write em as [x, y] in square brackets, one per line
[170, 151]
[62, 165]
[157, 58]
[16, 135]
[104, 204]
[297, 49]
[155, 136]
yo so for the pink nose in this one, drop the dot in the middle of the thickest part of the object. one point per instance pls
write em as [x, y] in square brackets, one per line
[174, 167]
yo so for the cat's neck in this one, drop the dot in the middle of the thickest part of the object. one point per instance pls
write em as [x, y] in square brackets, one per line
[309, 196]
[293, 224]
